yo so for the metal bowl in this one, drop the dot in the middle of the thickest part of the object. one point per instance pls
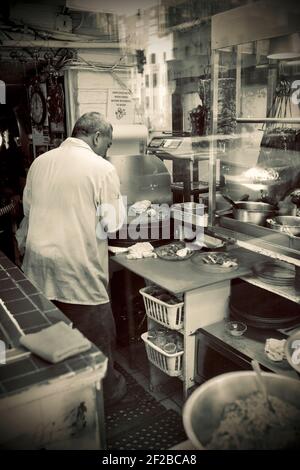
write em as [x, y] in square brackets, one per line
[253, 212]
[203, 410]
[190, 207]
[285, 223]
[236, 328]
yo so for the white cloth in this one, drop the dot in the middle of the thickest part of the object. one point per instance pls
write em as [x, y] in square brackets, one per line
[141, 250]
[56, 343]
[139, 207]
[117, 250]
[274, 349]
[65, 188]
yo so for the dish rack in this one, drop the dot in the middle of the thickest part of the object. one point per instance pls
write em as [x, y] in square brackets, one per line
[171, 364]
[171, 316]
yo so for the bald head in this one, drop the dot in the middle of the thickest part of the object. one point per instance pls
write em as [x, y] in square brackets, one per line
[95, 130]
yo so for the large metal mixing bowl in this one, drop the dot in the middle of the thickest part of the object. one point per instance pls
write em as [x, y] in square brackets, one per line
[253, 212]
[285, 223]
[203, 410]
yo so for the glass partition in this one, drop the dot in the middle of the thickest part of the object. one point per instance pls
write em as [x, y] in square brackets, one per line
[256, 126]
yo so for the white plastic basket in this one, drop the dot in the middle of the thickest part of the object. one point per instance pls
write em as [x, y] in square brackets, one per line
[171, 364]
[168, 315]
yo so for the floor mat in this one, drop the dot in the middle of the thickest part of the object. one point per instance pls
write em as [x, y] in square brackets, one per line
[141, 422]
[155, 433]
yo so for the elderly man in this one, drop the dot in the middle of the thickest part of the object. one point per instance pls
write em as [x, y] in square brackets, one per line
[66, 252]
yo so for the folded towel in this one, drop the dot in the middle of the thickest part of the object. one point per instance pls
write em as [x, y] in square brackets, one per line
[56, 343]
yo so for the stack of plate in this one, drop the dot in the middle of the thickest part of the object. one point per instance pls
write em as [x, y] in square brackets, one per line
[267, 321]
[262, 309]
[276, 272]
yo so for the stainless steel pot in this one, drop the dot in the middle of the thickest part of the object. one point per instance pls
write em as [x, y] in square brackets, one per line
[203, 410]
[253, 212]
[285, 223]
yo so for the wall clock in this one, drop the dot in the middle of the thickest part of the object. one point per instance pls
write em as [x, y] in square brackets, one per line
[38, 107]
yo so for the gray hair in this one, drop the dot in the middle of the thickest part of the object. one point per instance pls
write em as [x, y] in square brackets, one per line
[89, 123]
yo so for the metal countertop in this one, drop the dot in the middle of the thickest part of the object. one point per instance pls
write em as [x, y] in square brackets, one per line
[184, 276]
[252, 346]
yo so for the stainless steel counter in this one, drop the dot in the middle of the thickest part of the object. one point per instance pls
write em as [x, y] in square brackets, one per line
[251, 346]
[184, 276]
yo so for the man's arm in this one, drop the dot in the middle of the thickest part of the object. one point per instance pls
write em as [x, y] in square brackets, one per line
[111, 210]
[27, 195]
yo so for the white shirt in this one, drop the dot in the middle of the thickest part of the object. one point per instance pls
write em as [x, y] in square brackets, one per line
[63, 192]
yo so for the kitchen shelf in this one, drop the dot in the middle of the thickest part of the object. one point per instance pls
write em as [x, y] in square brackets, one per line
[287, 292]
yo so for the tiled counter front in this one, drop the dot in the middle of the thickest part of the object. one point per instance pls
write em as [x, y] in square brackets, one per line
[44, 405]
[28, 306]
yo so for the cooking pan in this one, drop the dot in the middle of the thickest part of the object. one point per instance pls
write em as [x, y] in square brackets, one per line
[253, 212]
[288, 224]
[250, 211]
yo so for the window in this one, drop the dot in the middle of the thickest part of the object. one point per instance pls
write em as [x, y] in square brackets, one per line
[165, 56]
[147, 81]
[152, 59]
[147, 102]
[154, 80]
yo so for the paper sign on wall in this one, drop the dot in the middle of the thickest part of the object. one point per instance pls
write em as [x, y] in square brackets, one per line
[120, 107]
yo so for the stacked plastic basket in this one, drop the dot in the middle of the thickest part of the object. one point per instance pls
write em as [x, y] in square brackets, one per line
[170, 316]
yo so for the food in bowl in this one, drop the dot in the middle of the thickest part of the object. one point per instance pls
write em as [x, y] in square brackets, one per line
[257, 174]
[221, 259]
[174, 251]
[206, 410]
[247, 423]
[285, 223]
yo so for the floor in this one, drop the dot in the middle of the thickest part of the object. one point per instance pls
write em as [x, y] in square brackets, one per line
[169, 395]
